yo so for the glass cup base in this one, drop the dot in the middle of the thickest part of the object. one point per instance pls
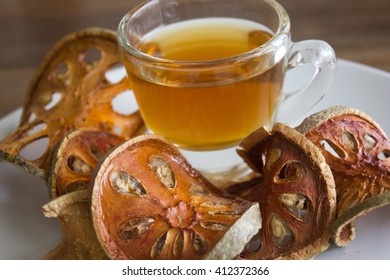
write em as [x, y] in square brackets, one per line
[220, 167]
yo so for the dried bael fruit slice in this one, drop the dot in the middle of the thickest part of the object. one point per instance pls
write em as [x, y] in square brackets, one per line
[296, 193]
[71, 89]
[149, 203]
[358, 152]
[75, 158]
[79, 240]
[73, 161]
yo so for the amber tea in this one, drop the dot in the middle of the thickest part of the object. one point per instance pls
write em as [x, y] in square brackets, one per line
[189, 109]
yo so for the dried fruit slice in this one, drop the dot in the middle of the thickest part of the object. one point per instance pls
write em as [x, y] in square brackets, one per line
[69, 90]
[79, 240]
[358, 152]
[149, 203]
[75, 158]
[73, 161]
[296, 193]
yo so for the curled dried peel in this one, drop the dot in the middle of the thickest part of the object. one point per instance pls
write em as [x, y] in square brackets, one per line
[79, 240]
[75, 158]
[296, 193]
[149, 203]
[70, 90]
[358, 152]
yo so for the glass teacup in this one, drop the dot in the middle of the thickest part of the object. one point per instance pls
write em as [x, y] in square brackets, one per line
[207, 73]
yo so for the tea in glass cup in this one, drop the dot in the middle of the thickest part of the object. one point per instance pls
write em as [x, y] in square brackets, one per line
[211, 116]
[207, 73]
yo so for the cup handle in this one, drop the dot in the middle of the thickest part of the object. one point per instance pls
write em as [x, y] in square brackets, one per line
[322, 56]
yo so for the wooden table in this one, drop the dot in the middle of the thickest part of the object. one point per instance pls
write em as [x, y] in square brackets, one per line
[358, 30]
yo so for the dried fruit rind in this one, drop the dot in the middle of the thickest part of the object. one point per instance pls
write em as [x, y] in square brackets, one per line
[149, 203]
[296, 193]
[358, 152]
[79, 240]
[70, 89]
[359, 210]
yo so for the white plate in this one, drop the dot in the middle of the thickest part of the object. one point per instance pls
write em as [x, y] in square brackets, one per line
[26, 234]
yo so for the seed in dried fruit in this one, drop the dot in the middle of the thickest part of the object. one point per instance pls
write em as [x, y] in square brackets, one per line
[124, 183]
[357, 151]
[296, 193]
[78, 165]
[163, 171]
[198, 190]
[135, 228]
[159, 207]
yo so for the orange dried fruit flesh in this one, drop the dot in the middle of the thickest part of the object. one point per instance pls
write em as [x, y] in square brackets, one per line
[70, 89]
[296, 193]
[75, 158]
[358, 152]
[79, 241]
[149, 203]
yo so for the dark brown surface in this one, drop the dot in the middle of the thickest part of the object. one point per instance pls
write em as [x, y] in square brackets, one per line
[358, 31]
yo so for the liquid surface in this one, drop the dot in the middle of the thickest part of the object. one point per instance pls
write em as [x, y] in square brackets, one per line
[204, 39]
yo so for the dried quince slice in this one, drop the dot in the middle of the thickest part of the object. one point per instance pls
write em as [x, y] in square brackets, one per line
[358, 152]
[75, 158]
[79, 241]
[70, 89]
[296, 193]
[149, 203]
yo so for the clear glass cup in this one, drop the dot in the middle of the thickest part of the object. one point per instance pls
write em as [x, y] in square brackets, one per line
[204, 94]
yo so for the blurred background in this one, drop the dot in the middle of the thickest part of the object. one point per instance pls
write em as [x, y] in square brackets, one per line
[358, 30]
